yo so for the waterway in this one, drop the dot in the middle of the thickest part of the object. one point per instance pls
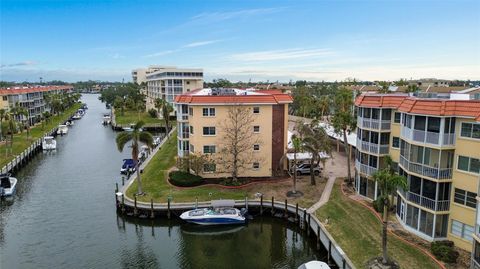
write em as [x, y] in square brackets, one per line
[63, 216]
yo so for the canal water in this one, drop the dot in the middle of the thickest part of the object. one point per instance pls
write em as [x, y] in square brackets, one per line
[63, 216]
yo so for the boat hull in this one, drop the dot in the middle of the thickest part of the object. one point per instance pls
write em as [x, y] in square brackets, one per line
[216, 221]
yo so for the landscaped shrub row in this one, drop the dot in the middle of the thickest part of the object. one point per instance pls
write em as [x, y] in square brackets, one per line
[185, 179]
[444, 251]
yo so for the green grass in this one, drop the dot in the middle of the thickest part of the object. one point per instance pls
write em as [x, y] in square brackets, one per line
[130, 116]
[21, 142]
[154, 181]
[358, 232]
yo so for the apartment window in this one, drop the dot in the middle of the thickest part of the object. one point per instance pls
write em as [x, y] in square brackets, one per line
[192, 148]
[190, 111]
[256, 147]
[209, 131]
[256, 165]
[468, 164]
[396, 142]
[5, 98]
[466, 198]
[209, 149]
[462, 230]
[256, 110]
[256, 129]
[470, 130]
[209, 112]
[209, 168]
[397, 117]
[191, 129]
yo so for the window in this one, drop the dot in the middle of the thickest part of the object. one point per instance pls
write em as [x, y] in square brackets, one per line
[256, 165]
[256, 110]
[190, 111]
[192, 148]
[397, 117]
[464, 197]
[209, 168]
[256, 129]
[5, 98]
[191, 130]
[209, 149]
[462, 230]
[468, 164]
[470, 130]
[208, 112]
[396, 142]
[208, 130]
[256, 147]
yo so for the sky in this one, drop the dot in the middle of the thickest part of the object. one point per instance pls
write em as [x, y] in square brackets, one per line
[241, 40]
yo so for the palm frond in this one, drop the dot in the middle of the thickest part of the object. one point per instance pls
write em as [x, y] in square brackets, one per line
[122, 139]
[146, 138]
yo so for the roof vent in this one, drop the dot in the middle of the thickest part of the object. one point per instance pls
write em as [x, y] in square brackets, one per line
[223, 91]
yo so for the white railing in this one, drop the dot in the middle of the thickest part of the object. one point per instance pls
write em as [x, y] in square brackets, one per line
[443, 205]
[372, 147]
[425, 170]
[365, 169]
[373, 123]
[428, 137]
[449, 139]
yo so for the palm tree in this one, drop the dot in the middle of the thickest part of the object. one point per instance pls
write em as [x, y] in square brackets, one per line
[3, 114]
[315, 141]
[343, 120]
[412, 88]
[388, 182]
[158, 104]
[136, 136]
[384, 87]
[323, 105]
[24, 113]
[167, 108]
[297, 146]
[12, 128]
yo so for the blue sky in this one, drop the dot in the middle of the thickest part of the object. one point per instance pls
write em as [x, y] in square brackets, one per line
[241, 40]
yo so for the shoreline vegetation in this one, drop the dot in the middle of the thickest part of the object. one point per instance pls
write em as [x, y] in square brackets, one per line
[20, 140]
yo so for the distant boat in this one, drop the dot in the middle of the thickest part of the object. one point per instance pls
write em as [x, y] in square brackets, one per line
[314, 265]
[106, 119]
[222, 212]
[128, 166]
[130, 128]
[49, 143]
[62, 129]
[77, 116]
[69, 122]
[7, 185]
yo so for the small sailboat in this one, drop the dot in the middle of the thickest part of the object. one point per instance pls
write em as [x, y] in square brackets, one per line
[7, 185]
[62, 129]
[49, 143]
[222, 212]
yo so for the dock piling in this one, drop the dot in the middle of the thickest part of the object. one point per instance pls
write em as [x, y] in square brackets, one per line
[135, 210]
[261, 204]
[123, 180]
[116, 187]
[152, 214]
[286, 211]
[168, 208]
[318, 236]
[304, 219]
[296, 212]
[123, 204]
[273, 206]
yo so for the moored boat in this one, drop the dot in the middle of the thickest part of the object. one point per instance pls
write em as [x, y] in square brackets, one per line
[49, 143]
[314, 265]
[62, 129]
[7, 185]
[106, 119]
[222, 212]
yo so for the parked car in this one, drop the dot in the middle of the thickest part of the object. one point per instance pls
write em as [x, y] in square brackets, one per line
[304, 169]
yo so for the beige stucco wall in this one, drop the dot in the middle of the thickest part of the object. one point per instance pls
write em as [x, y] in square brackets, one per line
[263, 156]
[394, 131]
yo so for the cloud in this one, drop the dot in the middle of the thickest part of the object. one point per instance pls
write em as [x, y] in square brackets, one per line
[160, 53]
[286, 54]
[210, 17]
[26, 63]
[117, 56]
[202, 43]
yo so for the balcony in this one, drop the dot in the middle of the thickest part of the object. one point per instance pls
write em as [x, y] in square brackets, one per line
[443, 205]
[428, 137]
[365, 169]
[372, 147]
[373, 123]
[425, 170]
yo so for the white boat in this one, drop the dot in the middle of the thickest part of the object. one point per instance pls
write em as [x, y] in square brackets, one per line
[62, 129]
[69, 123]
[7, 185]
[76, 116]
[222, 212]
[106, 119]
[156, 141]
[314, 265]
[49, 143]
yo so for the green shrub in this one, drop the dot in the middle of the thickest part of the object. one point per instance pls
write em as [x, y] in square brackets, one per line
[444, 251]
[152, 112]
[185, 179]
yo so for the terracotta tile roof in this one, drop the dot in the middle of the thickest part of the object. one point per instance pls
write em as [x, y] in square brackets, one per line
[423, 106]
[21, 90]
[264, 97]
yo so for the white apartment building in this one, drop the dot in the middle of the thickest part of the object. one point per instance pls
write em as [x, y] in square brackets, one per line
[139, 75]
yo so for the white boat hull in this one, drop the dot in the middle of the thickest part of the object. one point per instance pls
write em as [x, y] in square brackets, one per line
[6, 192]
[209, 217]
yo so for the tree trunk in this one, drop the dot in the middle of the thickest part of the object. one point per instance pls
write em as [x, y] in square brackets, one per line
[295, 172]
[384, 233]
[312, 174]
[347, 152]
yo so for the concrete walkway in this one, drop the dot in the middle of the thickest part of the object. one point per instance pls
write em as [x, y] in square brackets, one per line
[325, 195]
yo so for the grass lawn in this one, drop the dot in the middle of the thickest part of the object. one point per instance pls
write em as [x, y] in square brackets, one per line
[133, 116]
[20, 141]
[358, 232]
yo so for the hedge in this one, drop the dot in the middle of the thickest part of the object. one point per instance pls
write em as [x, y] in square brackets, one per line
[185, 179]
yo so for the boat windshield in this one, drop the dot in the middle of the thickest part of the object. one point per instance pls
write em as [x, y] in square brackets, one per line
[195, 213]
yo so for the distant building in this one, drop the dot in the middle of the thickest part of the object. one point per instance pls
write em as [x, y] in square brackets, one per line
[139, 75]
[168, 82]
[30, 98]
[202, 115]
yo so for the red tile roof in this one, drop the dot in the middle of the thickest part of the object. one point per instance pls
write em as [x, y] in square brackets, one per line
[423, 106]
[21, 90]
[270, 97]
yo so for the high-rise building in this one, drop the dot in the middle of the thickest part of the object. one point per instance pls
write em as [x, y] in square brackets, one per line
[435, 143]
[139, 75]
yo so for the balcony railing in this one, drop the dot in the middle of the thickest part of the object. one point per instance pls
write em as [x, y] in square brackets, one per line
[443, 205]
[365, 169]
[425, 170]
[428, 137]
[373, 123]
[372, 147]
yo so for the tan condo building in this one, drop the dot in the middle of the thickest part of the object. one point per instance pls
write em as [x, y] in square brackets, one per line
[205, 121]
[436, 144]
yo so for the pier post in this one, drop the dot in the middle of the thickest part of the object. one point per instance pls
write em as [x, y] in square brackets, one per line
[135, 212]
[123, 180]
[296, 212]
[116, 187]
[123, 204]
[273, 206]
[304, 219]
[318, 236]
[152, 214]
[329, 251]
[308, 227]
[168, 208]
[286, 211]
[196, 202]
[246, 203]
[116, 200]
[261, 204]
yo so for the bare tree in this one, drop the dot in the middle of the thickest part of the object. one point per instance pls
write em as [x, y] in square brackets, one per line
[238, 140]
